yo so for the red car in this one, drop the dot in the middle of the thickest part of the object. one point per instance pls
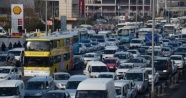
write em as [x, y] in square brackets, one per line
[112, 63]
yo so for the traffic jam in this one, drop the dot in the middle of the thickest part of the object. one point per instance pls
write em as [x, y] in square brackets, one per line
[96, 63]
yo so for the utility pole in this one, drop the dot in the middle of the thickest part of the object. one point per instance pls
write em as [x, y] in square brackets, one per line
[46, 31]
[153, 29]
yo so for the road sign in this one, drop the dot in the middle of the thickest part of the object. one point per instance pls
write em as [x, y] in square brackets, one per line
[180, 4]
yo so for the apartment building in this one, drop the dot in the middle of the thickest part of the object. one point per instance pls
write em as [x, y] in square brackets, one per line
[118, 7]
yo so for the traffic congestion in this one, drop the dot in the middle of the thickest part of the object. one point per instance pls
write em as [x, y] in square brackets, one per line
[94, 63]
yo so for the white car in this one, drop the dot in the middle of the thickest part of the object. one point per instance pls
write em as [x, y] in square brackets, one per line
[60, 79]
[123, 68]
[10, 73]
[82, 48]
[90, 57]
[112, 41]
[166, 41]
[110, 75]
[136, 43]
[134, 52]
[178, 60]
[156, 75]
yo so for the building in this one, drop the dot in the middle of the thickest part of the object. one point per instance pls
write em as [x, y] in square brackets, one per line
[118, 7]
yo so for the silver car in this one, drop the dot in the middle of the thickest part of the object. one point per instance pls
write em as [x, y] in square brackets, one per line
[60, 79]
[90, 57]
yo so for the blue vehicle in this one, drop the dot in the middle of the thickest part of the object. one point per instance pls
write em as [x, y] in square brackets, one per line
[148, 38]
[126, 33]
[83, 33]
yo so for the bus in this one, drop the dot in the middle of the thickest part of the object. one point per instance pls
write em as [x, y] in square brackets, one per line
[76, 40]
[143, 31]
[126, 33]
[46, 55]
[83, 33]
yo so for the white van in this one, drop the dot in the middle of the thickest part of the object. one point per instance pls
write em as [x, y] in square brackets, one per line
[19, 54]
[12, 89]
[109, 51]
[94, 68]
[96, 88]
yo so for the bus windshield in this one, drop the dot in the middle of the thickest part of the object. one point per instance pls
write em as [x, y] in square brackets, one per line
[91, 94]
[38, 46]
[123, 32]
[37, 61]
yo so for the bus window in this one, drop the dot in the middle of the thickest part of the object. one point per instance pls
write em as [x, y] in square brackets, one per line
[62, 42]
[66, 56]
[58, 43]
[75, 39]
[67, 41]
[54, 44]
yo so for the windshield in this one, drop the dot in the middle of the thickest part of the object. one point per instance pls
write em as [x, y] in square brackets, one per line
[38, 46]
[89, 55]
[109, 51]
[121, 56]
[86, 41]
[88, 45]
[72, 84]
[123, 32]
[136, 60]
[91, 94]
[16, 53]
[38, 61]
[134, 76]
[111, 39]
[101, 40]
[3, 58]
[133, 52]
[4, 70]
[35, 85]
[98, 36]
[183, 36]
[61, 77]
[105, 76]
[55, 95]
[109, 61]
[118, 90]
[165, 49]
[125, 67]
[175, 58]
[181, 50]
[8, 91]
[146, 57]
[168, 28]
[136, 41]
[165, 40]
[94, 43]
[99, 69]
[160, 65]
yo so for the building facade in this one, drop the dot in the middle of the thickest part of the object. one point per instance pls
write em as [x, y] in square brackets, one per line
[118, 7]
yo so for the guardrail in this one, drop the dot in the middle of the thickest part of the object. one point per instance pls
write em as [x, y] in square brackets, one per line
[161, 89]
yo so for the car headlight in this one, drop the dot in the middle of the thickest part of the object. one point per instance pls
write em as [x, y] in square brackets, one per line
[164, 70]
[39, 94]
[139, 86]
[58, 85]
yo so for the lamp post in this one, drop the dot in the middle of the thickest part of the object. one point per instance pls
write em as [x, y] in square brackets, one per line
[46, 18]
[153, 29]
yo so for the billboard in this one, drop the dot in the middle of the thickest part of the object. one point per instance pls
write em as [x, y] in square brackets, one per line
[17, 20]
[63, 23]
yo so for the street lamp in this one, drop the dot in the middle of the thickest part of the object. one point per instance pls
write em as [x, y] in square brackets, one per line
[46, 18]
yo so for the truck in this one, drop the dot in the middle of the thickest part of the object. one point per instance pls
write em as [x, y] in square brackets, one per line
[148, 38]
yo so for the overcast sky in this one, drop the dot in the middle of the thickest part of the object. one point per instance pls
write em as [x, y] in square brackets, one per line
[7, 3]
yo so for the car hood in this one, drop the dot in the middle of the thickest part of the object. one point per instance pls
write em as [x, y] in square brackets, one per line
[111, 65]
[61, 81]
[34, 92]
[9, 97]
[135, 43]
[3, 74]
[177, 61]
[122, 70]
[139, 64]
[95, 74]
[138, 82]
[123, 60]
[89, 59]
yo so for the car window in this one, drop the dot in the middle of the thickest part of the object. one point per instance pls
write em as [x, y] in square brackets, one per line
[16, 70]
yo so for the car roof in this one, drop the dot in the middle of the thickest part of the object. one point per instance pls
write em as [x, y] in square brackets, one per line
[122, 52]
[119, 83]
[136, 70]
[77, 78]
[17, 49]
[57, 73]
[96, 63]
[39, 78]
[10, 83]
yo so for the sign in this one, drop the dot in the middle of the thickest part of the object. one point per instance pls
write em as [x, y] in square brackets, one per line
[63, 23]
[49, 23]
[180, 4]
[17, 20]
[37, 54]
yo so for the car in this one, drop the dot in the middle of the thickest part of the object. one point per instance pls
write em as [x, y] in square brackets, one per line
[73, 83]
[156, 48]
[181, 51]
[122, 48]
[10, 73]
[148, 59]
[178, 60]
[110, 75]
[90, 57]
[57, 94]
[112, 63]
[60, 79]
[166, 41]
[156, 75]
[82, 48]
[96, 46]
[89, 47]
[112, 41]
[134, 52]
[78, 62]
[109, 51]
[138, 62]
[136, 43]
[123, 56]
[123, 68]
[166, 51]
[175, 45]
[102, 43]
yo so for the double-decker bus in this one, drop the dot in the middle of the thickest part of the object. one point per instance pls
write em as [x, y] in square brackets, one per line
[45, 55]
[76, 40]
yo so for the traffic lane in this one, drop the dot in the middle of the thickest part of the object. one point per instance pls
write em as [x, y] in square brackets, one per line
[178, 91]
